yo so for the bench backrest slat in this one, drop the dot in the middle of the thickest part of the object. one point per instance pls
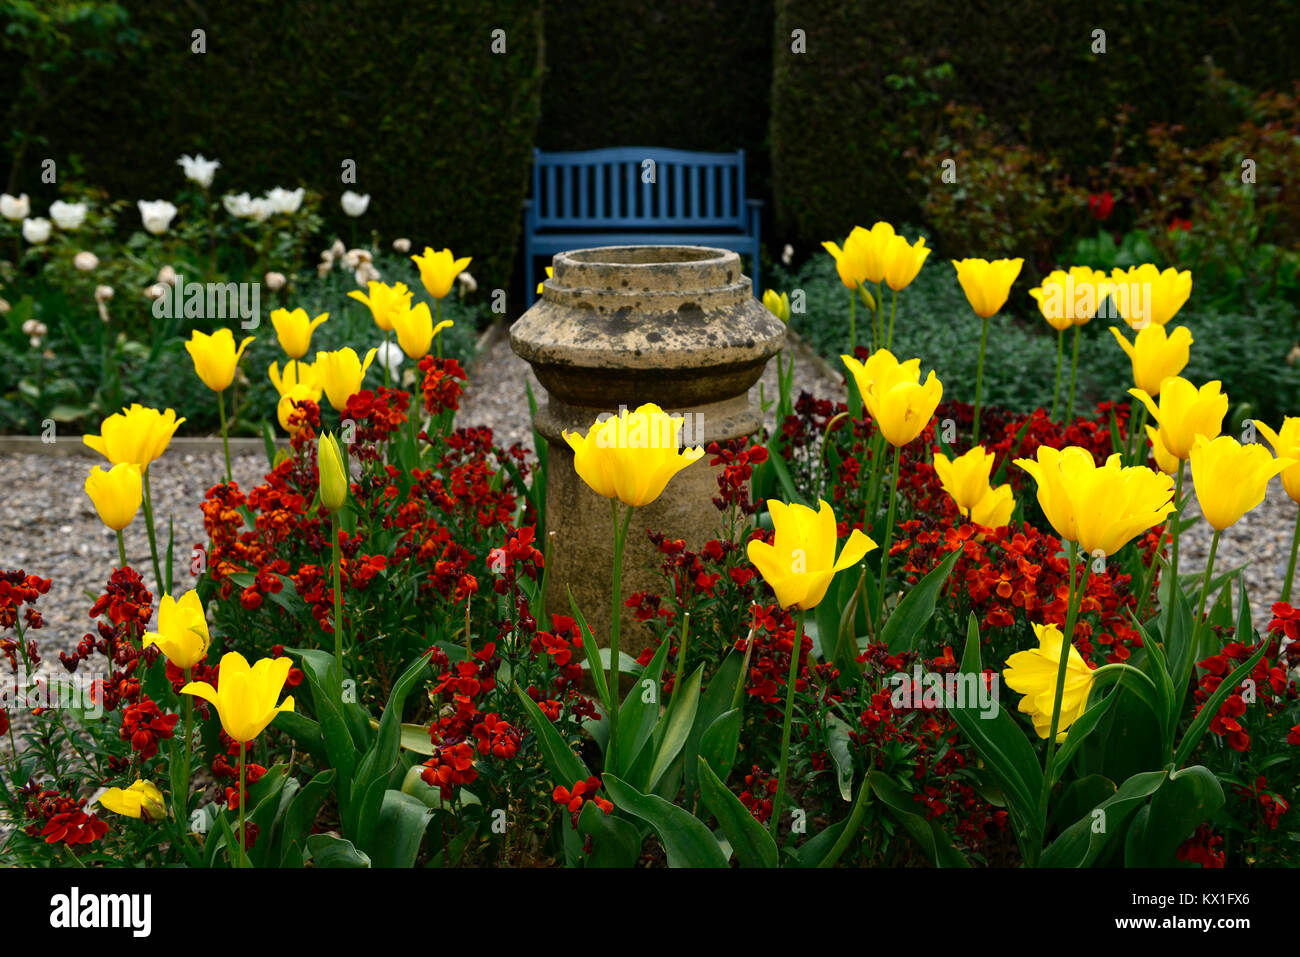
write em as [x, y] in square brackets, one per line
[606, 188]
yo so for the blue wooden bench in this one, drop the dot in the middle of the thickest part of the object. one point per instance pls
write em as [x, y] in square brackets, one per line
[600, 198]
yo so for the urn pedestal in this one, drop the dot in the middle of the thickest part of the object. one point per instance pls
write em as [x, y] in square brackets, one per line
[621, 326]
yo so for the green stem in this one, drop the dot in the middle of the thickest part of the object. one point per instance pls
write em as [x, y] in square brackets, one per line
[778, 805]
[1205, 590]
[1176, 519]
[180, 801]
[338, 607]
[1137, 430]
[153, 542]
[877, 322]
[121, 549]
[853, 320]
[1060, 356]
[681, 651]
[225, 440]
[385, 362]
[437, 318]
[616, 618]
[893, 307]
[979, 382]
[889, 533]
[1149, 578]
[242, 839]
[1074, 368]
[1290, 566]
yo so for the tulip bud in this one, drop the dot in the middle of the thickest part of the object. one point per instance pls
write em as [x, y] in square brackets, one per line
[787, 254]
[867, 299]
[167, 275]
[402, 245]
[156, 291]
[274, 281]
[333, 473]
[467, 282]
[103, 293]
[85, 261]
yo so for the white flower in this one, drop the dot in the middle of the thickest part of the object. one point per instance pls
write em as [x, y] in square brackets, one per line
[323, 269]
[366, 273]
[85, 261]
[285, 201]
[67, 215]
[198, 169]
[156, 291]
[274, 281]
[389, 354]
[402, 246]
[260, 210]
[787, 254]
[236, 204]
[156, 216]
[167, 275]
[354, 204]
[36, 231]
[338, 250]
[15, 207]
[4, 307]
[29, 327]
[467, 282]
[355, 258]
[103, 293]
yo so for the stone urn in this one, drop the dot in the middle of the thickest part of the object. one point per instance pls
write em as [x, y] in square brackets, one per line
[621, 326]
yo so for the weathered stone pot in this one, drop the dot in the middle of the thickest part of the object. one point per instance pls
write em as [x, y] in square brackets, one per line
[621, 326]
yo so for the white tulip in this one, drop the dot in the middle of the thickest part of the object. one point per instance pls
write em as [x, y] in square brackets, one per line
[274, 281]
[15, 207]
[285, 201]
[198, 169]
[260, 210]
[67, 215]
[36, 231]
[236, 205]
[389, 354]
[86, 261]
[354, 204]
[156, 216]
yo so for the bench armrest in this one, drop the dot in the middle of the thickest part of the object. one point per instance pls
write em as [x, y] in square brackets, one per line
[754, 203]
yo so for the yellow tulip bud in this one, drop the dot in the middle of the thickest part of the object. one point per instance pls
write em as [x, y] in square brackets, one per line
[1102, 508]
[182, 633]
[294, 330]
[994, 508]
[987, 284]
[1231, 478]
[965, 478]
[631, 456]
[800, 562]
[900, 404]
[1167, 463]
[1286, 444]
[902, 261]
[289, 400]
[415, 329]
[340, 374]
[1033, 674]
[245, 697]
[215, 357]
[1155, 355]
[333, 472]
[136, 435]
[1185, 412]
[141, 799]
[116, 494]
[778, 304]
[438, 270]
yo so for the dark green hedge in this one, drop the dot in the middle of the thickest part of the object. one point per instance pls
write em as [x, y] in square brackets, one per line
[441, 128]
[687, 74]
[875, 77]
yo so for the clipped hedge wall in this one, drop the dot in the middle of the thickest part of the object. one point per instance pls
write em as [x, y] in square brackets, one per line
[440, 127]
[875, 77]
[686, 74]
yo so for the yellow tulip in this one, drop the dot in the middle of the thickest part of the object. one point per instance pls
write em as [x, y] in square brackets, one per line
[1101, 508]
[141, 799]
[288, 402]
[965, 478]
[987, 284]
[800, 562]
[1133, 288]
[296, 373]
[874, 243]
[866, 373]
[1286, 444]
[136, 435]
[902, 261]
[294, 330]
[1167, 463]
[1231, 478]
[900, 404]
[778, 304]
[438, 270]
[215, 357]
[116, 493]
[1185, 412]
[1033, 674]
[340, 374]
[415, 329]
[333, 473]
[384, 301]
[182, 633]
[994, 508]
[245, 697]
[1155, 355]
[851, 261]
[550, 272]
[1070, 298]
[631, 456]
